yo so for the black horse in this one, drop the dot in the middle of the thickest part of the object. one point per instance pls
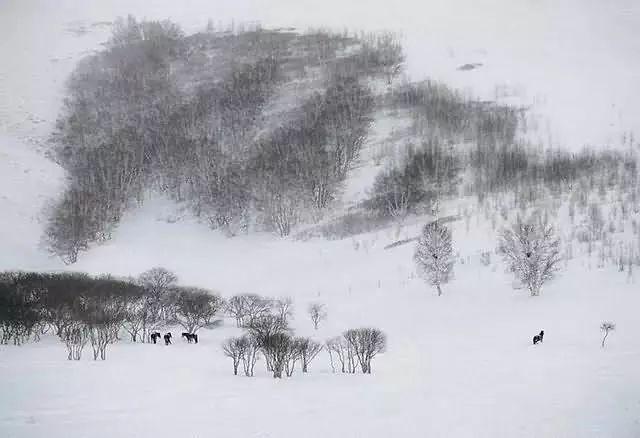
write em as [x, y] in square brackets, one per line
[538, 338]
[155, 336]
[167, 338]
[190, 337]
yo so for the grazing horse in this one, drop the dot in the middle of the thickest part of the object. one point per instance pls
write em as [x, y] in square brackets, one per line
[155, 336]
[538, 338]
[167, 338]
[190, 337]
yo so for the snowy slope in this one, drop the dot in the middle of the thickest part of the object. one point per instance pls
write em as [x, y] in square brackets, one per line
[27, 182]
[460, 365]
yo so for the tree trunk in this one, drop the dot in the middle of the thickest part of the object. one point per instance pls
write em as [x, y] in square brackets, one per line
[605, 338]
[439, 289]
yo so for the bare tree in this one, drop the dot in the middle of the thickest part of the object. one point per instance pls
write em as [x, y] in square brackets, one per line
[154, 310]
[236, 307]
[103, 316]
[318, 313]
[263, 329]
[283, 309]
[366, 344]
[234, 349]
[309, 349]
[157, 281]
[75, 337]
[100, 336]
[293, 355]
[332, 346]
[196, 308]
[532, 253]
[133, 321]
[250, 353]
[277, 349]
[606, 327]
[434, 254]
[344, 352]
[255, 308]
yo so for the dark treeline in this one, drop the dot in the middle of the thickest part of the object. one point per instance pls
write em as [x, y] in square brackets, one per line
[471, 148]
[186, 115]
[79, 308]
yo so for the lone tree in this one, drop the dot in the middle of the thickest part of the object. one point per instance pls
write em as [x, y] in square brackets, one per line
[532, 253]
[234, 349]
[278, 349]
[153, 310]
[434, 254]
[606, 327]
[309, 349]
[317, 313]
[196, 308]
[364, 344]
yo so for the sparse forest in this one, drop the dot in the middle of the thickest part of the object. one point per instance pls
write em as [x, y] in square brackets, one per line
[210, 120]
[257, 129]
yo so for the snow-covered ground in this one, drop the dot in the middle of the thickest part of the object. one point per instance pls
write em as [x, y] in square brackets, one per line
[460, 365]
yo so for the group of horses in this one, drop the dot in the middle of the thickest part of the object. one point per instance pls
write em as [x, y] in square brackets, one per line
[190, 337]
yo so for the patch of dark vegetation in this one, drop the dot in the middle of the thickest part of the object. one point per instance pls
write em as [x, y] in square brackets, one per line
[81, 309]
[471, 66]
[357, 221]
[524, 169]
[186, 115]
[218, 121]
[444, 114]
[478, 140]
[427, 173]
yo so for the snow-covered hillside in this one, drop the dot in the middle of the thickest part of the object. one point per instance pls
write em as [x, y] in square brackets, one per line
[459, 365]
[571, 63]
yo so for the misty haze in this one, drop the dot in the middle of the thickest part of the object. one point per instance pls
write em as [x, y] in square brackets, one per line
[319, 219]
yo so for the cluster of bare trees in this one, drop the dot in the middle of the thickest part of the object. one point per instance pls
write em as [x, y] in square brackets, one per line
[184, 114]
[302, 165]
[109, 129]
[268, 335]
[427, 173]
[82, 310]
[356, 347]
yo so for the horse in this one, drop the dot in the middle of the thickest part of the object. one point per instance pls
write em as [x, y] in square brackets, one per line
[155, 336]
[167, 338]
[538, 338]
[190, 337]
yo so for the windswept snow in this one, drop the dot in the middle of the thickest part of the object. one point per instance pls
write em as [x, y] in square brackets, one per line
[460, 365]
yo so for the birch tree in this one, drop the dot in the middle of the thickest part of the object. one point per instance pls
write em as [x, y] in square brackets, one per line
[434, 255]
[532, 252]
